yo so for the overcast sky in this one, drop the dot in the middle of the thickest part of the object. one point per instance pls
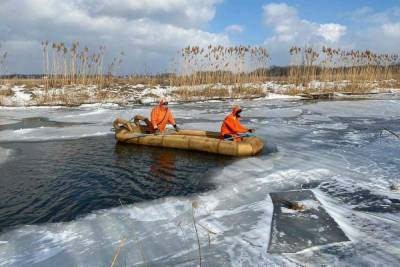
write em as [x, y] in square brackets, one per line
[151, 31]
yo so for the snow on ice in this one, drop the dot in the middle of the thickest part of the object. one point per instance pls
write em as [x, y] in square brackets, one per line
[326, 146]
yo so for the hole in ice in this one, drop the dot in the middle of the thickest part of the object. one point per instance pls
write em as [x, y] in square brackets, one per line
[294, 230]
[61, 180]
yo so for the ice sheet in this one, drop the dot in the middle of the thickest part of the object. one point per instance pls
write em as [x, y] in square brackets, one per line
[295, 230]
[366, 108]
[307, 145]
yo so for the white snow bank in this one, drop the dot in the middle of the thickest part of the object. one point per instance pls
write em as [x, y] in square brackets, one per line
[281, 96]
[20, 97]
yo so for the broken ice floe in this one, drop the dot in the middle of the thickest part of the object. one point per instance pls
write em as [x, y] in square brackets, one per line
[295, 230]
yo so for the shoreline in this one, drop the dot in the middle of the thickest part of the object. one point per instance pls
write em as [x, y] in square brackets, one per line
[12, 96]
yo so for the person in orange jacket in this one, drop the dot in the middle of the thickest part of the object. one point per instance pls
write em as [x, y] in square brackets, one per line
[160, 116]
[231, 127]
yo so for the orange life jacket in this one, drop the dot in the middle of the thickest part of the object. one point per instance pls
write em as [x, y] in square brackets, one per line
[232, 125]
[160, 116]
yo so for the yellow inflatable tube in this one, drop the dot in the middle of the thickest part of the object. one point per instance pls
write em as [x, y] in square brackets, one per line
[191, 140]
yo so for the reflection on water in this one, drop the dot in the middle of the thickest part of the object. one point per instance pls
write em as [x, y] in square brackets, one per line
[60, 180]
[163, 165]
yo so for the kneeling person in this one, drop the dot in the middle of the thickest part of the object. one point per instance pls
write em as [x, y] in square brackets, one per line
[232, 128]
[160, 116]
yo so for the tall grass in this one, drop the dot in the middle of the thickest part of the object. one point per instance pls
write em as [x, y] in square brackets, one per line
[208, 72]
[329, 64]
[76, 65]
[194, 65]
[3, 66]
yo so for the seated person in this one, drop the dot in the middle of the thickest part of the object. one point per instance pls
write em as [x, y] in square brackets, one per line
[160, 116]
[231, 127]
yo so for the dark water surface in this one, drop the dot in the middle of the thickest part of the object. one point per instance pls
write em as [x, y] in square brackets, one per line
[60, 180]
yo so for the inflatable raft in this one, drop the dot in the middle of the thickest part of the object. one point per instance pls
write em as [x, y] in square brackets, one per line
[192, 140]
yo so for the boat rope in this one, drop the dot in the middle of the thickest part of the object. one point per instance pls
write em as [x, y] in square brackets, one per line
[132, 136]
[240, 135]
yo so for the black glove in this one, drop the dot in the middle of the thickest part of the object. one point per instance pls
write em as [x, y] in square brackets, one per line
[252, 131]
[176, 128]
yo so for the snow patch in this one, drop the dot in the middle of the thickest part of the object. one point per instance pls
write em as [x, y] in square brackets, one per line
[20, 97]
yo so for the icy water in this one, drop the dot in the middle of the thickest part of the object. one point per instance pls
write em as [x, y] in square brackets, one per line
[335, 149]
[61, 180]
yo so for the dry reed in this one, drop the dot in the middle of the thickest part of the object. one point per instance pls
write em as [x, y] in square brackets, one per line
[186, 93]
[138, 243]
[195, 205]
[3, 66]
[74, 65]
[212, 72]
[332, 65]
[196, 65]
[117, 252]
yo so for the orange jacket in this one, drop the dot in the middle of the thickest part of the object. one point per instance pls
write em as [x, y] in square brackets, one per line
[160, 116]
[232, 125]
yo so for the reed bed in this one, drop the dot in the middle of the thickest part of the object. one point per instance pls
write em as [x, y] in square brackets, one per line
[76, 65]
[187, 93]
[196, 65]
[3, 66]
[148, 79]
[5, 93]
[329, 64]
[201, 73]
[67, 97]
